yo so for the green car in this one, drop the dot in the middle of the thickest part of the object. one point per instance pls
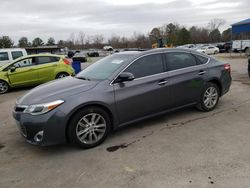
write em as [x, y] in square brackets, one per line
[33, 70]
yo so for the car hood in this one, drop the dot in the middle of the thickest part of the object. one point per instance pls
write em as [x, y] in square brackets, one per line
[54, 90]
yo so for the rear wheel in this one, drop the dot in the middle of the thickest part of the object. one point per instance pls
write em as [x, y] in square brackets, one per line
[89, 127]
[209, 97]
[62, 75]
[4, 87]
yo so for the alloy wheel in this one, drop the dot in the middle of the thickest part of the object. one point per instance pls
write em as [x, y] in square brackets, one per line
[91, 128]
[3, 87]
[210, 97]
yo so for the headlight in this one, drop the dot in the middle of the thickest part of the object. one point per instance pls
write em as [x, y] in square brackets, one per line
[38, 109]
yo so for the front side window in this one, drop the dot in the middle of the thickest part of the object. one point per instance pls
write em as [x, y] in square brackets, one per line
[146, 66]
[16, 54]
[179, 60]
[4, 56]
[24, 63]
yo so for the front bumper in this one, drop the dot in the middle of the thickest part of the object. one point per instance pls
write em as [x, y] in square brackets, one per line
[52, 124]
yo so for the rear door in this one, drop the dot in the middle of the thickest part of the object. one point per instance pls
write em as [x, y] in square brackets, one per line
[25, 73]
[46, 66]
[148, 93]
[187, 76]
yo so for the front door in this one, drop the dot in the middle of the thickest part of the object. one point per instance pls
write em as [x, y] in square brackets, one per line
[24, 74]
[148, 93]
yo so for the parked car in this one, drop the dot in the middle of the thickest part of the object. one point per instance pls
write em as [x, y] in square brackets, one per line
[224, 46]
[81, 57]
[118, 90]
[33, 70]
[93, 53]
[7, 55]
[208, 50]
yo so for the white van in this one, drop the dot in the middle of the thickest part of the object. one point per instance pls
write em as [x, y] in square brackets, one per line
[9, 54]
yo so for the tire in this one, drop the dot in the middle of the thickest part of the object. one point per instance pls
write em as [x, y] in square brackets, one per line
[209, 97]
[4, 87]
[89, 127]
[61, 75]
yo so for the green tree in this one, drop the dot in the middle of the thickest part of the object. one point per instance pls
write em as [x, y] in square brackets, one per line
[6, 42]
[23, 42]
[37, 42]
[226, 35]
[171, 31]
[51, 41]
[183, 36]
[215, 36]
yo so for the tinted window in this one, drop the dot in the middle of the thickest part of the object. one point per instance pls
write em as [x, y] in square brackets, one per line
[17, 54]
[24, 63]
[178, 60]
[4, 56]
[201, 59]
[44, 60]
[145, 66]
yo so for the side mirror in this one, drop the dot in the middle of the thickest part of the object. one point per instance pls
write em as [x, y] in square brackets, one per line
[12, 69]
[125, 76]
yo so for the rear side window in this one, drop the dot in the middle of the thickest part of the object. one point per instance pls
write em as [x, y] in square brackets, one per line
[46, 59]
[16, 54]
[4, 56]
[146, 66]
[201, 59]
[179, 60]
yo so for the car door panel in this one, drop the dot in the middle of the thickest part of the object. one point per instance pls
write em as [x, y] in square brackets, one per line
[23, 75]
[141, 97]
[186, 85]
[186, 78]
[145, 95]
[46, 69]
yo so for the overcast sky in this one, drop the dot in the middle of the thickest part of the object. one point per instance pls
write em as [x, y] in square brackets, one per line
[60, 18]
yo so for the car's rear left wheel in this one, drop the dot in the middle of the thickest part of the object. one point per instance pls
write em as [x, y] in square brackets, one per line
[209, 98]
[89, 127]
[61, 75]
[4, 87]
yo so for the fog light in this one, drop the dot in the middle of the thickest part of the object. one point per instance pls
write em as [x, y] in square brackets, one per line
[39, 136]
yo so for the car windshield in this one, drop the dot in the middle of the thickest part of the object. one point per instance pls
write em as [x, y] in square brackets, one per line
[103, 68]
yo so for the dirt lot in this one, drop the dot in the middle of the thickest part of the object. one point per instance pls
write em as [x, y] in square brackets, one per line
[186, 148]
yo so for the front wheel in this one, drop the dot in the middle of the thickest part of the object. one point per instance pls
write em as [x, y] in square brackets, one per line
[89, 127]
[4, 87]
[209, 97]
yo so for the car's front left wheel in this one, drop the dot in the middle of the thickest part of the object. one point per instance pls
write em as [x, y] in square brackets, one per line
[89, 127]
[4, 87]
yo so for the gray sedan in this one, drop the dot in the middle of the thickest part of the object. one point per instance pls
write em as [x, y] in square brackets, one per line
[118, 90]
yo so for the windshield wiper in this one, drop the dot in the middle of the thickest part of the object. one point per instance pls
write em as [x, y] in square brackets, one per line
[82, 78]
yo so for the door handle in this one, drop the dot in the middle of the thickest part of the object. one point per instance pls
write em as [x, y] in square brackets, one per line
[202, 72]
[162, 82]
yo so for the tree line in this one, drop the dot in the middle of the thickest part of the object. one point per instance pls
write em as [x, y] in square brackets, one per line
[172, 34]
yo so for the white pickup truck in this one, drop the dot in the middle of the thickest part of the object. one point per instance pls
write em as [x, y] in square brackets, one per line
[241, 45]
[9, 54]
